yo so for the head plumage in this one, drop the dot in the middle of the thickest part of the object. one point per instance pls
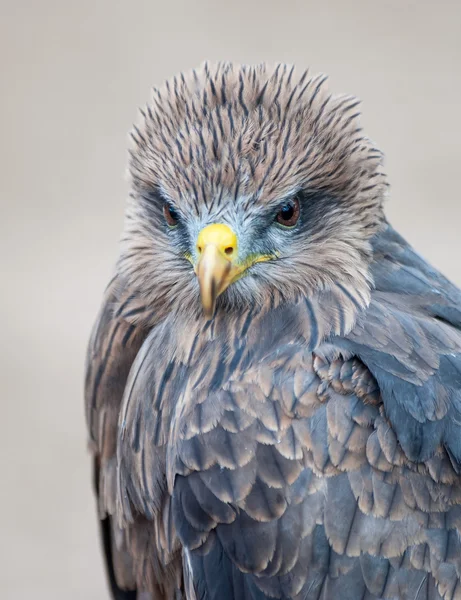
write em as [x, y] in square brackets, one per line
[232, 144]
[255, 131]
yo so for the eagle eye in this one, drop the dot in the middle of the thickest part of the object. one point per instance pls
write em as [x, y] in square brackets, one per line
[171, 214]
[288, 213]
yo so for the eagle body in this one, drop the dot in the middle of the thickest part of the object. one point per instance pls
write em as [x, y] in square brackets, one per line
[273, 386]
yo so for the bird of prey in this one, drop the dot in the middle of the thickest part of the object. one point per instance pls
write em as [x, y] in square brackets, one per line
[273, 384]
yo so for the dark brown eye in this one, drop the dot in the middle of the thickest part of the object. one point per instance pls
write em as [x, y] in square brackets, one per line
[171, 215]
[288, 214]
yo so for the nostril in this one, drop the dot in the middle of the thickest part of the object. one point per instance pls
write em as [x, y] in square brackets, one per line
[199, 248]
[229, 250]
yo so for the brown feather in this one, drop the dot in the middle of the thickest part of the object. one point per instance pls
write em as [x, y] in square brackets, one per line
[304, 443]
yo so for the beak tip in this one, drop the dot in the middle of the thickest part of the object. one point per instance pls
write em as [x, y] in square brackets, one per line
[208, 309]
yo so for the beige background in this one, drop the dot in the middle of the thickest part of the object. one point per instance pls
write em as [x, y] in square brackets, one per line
[72, 75]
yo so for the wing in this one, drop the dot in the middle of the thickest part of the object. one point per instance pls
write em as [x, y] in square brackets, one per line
[410, 339]
[278, 497]
[114, 344]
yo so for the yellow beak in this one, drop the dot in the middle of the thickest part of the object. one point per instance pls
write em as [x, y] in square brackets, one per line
[216, 269]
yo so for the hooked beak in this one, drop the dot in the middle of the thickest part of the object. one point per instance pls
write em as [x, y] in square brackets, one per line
[216, 268]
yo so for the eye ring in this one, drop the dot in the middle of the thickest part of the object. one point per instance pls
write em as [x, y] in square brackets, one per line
[171, 215]
[288, 213]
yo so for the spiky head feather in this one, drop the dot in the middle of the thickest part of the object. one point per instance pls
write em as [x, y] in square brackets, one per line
[243, 138]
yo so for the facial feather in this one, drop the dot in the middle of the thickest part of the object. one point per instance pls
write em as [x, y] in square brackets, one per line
[230, 144]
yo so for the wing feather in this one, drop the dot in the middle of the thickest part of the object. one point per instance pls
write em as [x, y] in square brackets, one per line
[113, 346]
[306, 473]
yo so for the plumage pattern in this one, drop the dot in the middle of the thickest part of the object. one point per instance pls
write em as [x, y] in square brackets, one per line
[305, 443]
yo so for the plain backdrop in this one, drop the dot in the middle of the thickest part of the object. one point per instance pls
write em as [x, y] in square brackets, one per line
[72, 77]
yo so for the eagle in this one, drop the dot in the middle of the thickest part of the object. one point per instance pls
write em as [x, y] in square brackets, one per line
[273, 382]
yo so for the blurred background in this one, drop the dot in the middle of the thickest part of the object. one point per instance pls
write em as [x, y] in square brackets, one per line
[72, 76]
